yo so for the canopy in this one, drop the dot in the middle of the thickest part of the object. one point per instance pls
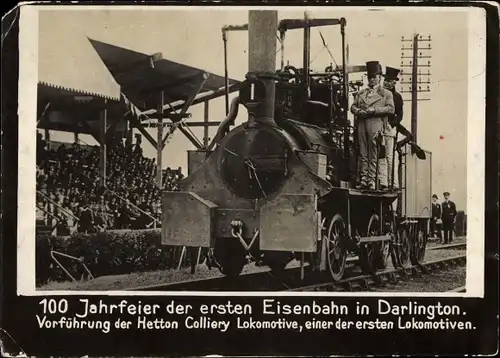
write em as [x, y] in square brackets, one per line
[142, 76]
[73, 110]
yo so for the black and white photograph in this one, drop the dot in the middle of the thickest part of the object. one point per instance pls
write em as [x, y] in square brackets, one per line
[284, 151]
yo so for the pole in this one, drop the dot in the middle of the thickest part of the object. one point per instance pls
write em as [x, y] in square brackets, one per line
[345, 100]
[282, 48]
[102, 161]
[159, 141]
[414, 88]
[226, 75]
[205, 126]
[307, 50]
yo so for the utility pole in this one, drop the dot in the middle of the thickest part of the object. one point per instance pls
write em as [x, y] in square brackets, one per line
[415, 55]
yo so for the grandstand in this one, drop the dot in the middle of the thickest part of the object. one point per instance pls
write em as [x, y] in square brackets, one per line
[71, 198]
[113, 186]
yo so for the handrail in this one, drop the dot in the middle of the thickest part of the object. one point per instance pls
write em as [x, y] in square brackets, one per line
[133, 205]
[112, 192]
[47, 212]
[123, 199]
[59, 206]
[53, 228]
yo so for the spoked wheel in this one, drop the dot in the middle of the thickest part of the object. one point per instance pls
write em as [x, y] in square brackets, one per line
[419, 244]
[230, 257]
[370, 253]
[401, 250]
[337, 253]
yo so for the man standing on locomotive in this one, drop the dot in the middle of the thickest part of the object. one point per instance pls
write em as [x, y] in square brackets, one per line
[372, 106]
[386, 164]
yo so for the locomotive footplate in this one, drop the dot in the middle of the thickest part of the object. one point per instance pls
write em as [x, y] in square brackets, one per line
[376, 193]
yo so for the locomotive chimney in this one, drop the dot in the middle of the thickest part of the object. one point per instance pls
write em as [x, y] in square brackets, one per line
[258, 92]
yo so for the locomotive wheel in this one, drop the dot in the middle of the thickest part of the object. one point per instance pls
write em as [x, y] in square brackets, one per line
[337, 253]
[374, 255]
[230, 256]
[401, 250]
[419, 244]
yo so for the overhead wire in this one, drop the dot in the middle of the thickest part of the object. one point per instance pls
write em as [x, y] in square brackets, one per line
[325, 45]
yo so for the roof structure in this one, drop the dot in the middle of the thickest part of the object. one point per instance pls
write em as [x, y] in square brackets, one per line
[142, 77]
[73, 110]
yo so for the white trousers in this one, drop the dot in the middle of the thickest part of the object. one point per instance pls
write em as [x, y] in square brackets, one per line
[385, 165]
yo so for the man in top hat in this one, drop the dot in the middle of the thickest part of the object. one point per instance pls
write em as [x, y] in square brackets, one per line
[372, 106]
[449, 213]
[386, 172]
[436, 215]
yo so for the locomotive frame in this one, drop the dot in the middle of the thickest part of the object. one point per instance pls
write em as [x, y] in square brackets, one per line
[305, 212]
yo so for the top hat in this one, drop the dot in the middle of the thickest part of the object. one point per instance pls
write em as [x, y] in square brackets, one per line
[391, 73]
[373, 68]
[446, 193]
[434, 196]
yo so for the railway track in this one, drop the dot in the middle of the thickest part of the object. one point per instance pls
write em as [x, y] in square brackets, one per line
[392, 276]
[287, 281]
[458, 245]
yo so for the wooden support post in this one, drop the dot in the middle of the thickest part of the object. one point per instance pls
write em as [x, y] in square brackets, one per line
[205, 127]
[226, 76]
[129, 131]
[76, 137]
[178, 116]
[137, 124]
[159, 141]
[102, 135]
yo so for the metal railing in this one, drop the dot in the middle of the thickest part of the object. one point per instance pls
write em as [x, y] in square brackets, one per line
[124, 200]
[155, 220]
[57, 205]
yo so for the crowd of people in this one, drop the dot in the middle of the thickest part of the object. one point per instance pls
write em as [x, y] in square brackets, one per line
[72, 197]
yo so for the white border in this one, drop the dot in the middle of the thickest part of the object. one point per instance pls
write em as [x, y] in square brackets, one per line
[28, 78]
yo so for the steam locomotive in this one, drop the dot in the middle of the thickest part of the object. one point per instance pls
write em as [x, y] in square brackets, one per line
[281, 186]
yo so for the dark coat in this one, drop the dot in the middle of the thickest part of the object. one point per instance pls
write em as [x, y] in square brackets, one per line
[436, 211]
[397, 117]
[449, 211]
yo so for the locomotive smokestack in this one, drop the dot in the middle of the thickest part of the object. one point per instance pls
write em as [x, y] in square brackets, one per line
[258, 93]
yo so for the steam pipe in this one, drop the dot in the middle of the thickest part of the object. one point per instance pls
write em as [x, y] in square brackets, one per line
[306, 54]
[226, 76]
[226, 122]
[345, 99]
[282, 48]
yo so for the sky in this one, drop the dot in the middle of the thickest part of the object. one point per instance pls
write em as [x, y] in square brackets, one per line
[193, 37]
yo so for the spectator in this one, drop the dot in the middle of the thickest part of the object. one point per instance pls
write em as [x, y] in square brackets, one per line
[69, 177]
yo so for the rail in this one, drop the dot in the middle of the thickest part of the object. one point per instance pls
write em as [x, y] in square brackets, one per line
[57, 205]
[52, 228]
[155, 220]
[123, 199]
[364, 281]
[265, 280]
[77, 259]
